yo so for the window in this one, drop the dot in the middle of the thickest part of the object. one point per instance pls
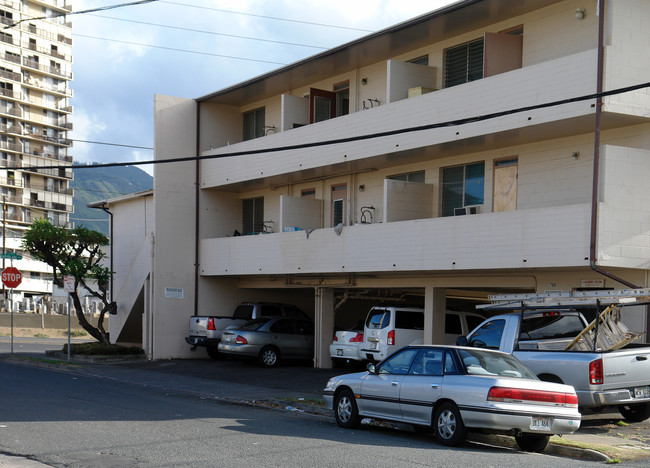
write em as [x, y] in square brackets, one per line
[398, 363]
[417, 176]
[489, 335]
[308, 193]
[453, 325]
[409, 320]
[428, 362]
[339, 194]
[424, 60]
[254, 124]
[462, 186]
[464, 63]
[342, 91]
[325, 105]
[253, 215]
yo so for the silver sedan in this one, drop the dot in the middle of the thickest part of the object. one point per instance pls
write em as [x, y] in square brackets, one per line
[270, 339]
[451, 390]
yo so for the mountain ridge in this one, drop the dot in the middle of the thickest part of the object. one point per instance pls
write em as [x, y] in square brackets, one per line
[93, 183]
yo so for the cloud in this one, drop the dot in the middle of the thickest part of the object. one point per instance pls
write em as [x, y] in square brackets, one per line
[116, 77]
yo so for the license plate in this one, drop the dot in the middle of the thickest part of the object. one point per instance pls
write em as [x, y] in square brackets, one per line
[540, 424]
[339, 352]
[642, 392]
[373, 345]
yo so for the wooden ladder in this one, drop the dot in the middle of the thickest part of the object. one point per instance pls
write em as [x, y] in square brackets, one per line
[612, 333]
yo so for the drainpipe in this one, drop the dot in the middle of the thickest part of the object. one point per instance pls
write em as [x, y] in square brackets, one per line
[594, 191]
[110, 227]
[196, 211]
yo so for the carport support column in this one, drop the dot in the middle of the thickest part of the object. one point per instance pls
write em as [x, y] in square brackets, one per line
[324, 321]
[435, 304]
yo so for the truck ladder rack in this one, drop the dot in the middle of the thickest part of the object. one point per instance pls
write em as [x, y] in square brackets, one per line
[567, 299]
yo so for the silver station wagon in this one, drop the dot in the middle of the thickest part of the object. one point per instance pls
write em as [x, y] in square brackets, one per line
[451, 390]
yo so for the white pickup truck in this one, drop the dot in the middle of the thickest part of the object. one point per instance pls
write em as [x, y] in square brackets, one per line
[206, 330]
[545, 334]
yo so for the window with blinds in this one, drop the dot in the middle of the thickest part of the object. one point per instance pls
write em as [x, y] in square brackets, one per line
[464, 63]
[254, 124]
[253, 215]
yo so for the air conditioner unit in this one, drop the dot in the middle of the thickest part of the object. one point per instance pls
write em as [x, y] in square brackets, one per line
[468, 210]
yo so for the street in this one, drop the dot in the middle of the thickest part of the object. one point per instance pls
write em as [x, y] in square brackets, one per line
[66, 419]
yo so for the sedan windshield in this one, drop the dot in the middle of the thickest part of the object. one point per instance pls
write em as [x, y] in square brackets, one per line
[479, 362]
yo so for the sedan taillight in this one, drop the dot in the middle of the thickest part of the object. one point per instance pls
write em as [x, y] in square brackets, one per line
[357, 339]
[211, 324]
[241, 340]
[336, 338]
[391, 337]
[521, 395]
[596, 372]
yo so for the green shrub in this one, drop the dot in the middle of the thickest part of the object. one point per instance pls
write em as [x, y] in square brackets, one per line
[101, 349]
[77, 333]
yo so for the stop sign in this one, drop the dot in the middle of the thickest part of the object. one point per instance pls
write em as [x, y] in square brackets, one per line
[11, 277]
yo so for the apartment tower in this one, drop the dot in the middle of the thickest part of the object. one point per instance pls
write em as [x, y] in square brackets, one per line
[35, 70]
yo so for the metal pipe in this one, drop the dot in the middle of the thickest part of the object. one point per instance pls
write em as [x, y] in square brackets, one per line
[596, 172]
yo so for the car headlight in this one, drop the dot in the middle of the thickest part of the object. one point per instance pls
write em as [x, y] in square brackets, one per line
[331, 385]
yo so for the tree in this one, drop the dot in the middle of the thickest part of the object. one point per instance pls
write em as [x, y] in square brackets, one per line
[76, 252]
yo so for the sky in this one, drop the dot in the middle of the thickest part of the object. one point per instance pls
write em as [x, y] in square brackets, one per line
[122, 57]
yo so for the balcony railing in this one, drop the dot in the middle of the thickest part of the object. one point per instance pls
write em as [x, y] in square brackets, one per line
[437, 244]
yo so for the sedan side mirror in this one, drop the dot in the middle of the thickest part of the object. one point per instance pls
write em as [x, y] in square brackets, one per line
[461, 341]
[371, 368]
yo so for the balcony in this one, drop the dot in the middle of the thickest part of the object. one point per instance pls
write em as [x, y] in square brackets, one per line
[539, 237]
[535, 238]
[542, 83]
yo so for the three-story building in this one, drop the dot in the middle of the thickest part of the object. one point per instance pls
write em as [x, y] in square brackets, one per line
[456, 154]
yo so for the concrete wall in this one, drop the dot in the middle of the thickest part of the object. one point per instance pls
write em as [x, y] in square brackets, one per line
[174, 248]
[624, 224]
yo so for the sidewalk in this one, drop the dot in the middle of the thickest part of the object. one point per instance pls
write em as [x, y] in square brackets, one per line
[602, 437]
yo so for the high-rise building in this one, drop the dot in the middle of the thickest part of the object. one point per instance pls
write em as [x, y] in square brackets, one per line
[35, 71]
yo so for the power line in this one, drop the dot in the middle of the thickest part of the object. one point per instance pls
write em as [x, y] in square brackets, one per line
[210, 32]
[113, 144]
[267, 17]
[336, 141]
[91, 10]
[181, 50]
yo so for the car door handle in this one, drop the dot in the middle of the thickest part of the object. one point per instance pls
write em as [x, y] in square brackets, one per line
[434, 385]
[395, 384]
[641, 358]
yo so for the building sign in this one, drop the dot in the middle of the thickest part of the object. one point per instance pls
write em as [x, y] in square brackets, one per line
[174, 293]
[592, 283]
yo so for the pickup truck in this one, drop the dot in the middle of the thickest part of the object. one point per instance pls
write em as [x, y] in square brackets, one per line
[206, 330]
[539, 337]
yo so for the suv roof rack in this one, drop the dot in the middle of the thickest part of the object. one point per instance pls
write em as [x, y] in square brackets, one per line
[568, 299]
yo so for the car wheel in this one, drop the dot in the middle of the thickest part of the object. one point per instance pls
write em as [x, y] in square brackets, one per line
[635, 413]
[532, 442]
[214, 353]
[448, 425]
[345, 410]
[269, 357]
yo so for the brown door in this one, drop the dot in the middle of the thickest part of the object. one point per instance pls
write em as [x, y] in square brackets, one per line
[322, 105]
[506, 173]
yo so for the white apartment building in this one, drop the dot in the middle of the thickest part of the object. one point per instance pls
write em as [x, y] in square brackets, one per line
[394, 168]
[35, 71]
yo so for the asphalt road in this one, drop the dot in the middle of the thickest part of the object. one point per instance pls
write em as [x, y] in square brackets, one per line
[63, 419]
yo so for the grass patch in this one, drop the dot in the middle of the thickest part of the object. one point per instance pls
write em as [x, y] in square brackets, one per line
[102, 349]
[47, 361]
[41, 335]
[77, 333]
